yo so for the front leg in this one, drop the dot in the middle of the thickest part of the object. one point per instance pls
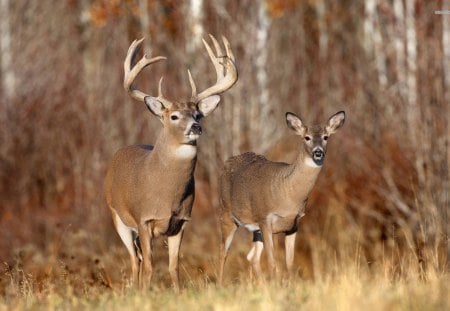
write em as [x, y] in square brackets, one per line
[268, 243]
[289, 244]
[145, 236]
[174, 243]
[175, 234]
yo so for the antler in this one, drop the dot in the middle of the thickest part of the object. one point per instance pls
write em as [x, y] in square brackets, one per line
[225, 69]
[132, 72]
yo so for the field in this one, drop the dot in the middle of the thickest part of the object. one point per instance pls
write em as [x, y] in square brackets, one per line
[376, 231]
[74, 277]
[80, 271]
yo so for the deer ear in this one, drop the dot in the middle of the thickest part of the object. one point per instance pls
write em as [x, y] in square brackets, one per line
[335, 122]
[295, 123]
[208, 104]
[154, 105]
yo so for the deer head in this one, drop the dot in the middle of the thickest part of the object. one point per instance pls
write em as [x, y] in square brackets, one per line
[315, 138]
[181, 119]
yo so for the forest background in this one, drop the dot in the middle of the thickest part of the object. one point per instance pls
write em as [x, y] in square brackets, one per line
[381, 202]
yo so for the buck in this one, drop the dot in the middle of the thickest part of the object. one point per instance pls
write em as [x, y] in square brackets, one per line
[150, 189]
[269, 197]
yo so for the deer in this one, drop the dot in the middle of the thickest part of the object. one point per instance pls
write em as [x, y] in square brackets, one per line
[268, 197]
[150, 189]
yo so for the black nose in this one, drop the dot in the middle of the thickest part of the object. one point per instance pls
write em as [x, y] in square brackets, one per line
[318, 154]
[196, 129]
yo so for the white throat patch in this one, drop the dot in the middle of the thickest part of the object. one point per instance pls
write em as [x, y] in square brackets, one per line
[186, 151]
[309, 162]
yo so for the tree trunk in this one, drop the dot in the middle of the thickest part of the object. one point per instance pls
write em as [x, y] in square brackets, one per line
[6, 61]
[374, 40]
[446, 72]
[194, 25]
[260, 107]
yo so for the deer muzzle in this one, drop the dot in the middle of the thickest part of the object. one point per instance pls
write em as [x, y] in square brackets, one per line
[318, 156]
[196, 129]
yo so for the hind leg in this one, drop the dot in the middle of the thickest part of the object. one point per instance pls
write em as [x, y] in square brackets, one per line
[228, 229]
[126, 235]
[254, 256]
[268, 243]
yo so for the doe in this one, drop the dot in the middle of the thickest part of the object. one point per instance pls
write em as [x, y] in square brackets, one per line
[269, 197]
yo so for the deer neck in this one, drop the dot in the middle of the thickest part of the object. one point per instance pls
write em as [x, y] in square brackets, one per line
[301, 176]
[175, 156]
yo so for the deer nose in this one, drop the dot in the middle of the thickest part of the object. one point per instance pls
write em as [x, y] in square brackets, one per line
[196, 129]
[318, 155]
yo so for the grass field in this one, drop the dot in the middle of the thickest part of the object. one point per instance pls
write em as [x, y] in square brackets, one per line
[79, 271]
[348, 290]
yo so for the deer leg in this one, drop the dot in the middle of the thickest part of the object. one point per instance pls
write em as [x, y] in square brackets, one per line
[174, 243]
[126, 235]
[289, 243]
[228, 229]
[145, 237]
[254, 256]
[268, 241]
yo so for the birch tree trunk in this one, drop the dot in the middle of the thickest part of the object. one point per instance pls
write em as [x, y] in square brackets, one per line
[260, 107]
[413, 112]
[144, 21]
[374, 40]
[399, 45]
[446, 72]
[323, 33]
[194, 25]
[6, 61]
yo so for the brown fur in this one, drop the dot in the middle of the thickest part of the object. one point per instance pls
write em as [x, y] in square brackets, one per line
[150, 189]
[271, 196]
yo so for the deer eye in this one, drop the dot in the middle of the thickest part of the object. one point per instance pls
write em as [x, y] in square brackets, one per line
[174, 117]
[325, 137]
[307, 138]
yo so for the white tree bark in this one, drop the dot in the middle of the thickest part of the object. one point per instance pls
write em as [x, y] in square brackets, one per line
[144, 21]
[323, 33]
[374, 40]
[446, 71]
[411, 89]
[6, 57]
[260, 108]
[195, 25]
[411, 50]
[399, 43]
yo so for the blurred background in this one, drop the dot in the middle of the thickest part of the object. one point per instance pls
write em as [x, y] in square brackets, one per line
[382, 199]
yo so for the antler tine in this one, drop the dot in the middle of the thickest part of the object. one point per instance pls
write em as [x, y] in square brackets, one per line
[214, 60]
[130, 73]
[219, 52]
[192, 83]
[228, 49]
[225, 67]
[167, 103]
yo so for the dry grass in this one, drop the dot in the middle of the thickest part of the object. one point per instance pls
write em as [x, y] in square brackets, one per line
[349, 289]
[89, 269]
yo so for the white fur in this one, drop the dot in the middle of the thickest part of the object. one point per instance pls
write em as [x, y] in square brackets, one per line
[255, 252]
[290, 248]
[229, 239]
[272, 218]
[249, 227]
[309, 162]
[125, 233]
[186, 151]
